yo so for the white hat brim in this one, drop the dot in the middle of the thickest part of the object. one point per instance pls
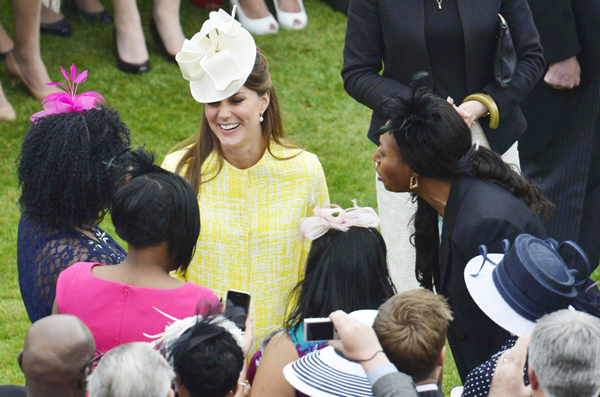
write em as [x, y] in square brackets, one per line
[486, 296]
[329, 374]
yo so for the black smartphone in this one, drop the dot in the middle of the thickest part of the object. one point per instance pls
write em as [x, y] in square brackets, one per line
[318, 329]
[237, 305]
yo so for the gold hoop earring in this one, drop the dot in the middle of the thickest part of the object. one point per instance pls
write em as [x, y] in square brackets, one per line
[414, 182]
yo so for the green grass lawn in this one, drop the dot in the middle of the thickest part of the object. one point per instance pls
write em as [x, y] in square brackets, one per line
[160, 112]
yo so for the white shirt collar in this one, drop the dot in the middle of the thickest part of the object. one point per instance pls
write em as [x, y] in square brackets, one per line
[427, 387]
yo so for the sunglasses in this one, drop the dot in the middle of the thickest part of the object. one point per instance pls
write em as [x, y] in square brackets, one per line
[97, 356]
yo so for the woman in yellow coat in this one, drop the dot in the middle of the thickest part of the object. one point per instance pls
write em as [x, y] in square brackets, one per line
[253, 186]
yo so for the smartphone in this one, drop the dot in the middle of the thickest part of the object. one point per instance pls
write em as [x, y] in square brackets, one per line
[237, 305]
[319, 329]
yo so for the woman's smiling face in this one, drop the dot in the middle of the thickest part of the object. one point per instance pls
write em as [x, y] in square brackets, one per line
[235, 120]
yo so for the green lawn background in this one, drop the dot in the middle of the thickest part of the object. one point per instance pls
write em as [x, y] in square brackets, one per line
[157, 107]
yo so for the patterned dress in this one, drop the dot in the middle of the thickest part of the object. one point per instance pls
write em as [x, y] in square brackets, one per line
[303, 348]
[249, 237]
[44, 252]
[479, 380]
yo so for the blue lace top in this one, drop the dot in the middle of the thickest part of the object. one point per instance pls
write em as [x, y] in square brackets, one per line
[42, 253]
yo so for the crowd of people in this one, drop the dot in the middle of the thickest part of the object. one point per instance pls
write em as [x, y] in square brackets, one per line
[239, 208]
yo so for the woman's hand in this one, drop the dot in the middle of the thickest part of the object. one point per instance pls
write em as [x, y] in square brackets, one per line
[508, 376]
[248, 336]
[469, 111]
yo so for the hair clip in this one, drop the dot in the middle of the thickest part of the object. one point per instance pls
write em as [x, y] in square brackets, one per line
[334, 217]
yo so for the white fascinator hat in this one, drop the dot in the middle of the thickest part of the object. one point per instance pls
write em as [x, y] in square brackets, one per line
[218, 59]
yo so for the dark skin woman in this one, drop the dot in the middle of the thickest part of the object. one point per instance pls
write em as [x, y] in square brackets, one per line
[426, 149]
[69, 171]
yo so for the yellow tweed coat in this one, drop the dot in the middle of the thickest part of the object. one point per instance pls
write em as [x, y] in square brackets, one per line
[249, 236]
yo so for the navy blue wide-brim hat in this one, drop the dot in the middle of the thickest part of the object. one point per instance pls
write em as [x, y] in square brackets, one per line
[517, 288]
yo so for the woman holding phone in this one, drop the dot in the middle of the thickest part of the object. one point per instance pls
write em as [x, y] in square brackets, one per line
[346, 270]
[252, 184]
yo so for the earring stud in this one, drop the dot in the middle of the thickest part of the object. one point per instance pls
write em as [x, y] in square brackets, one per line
[261, 118]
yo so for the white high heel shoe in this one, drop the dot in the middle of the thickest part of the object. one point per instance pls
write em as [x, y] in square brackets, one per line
[287, 19]
[258, 26]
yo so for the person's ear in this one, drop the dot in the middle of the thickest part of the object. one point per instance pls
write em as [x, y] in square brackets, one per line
[533, 380]
[442, 357]
[233, 391]
[82, 379]
[20, 360]
[171, 393]
[265, 101]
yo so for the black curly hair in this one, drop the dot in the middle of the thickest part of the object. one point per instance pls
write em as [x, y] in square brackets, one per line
[67, 170]
[207, 359]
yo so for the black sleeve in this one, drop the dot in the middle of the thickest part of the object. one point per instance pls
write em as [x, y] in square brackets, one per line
[556, 24]
[530, 61]
[363, 57]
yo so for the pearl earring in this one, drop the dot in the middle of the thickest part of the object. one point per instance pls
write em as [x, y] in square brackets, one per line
[261, 118]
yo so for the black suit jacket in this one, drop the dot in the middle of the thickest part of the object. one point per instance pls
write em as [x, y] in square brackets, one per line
[13, 391]
[392, 33]
[477, 212]
[567, 28]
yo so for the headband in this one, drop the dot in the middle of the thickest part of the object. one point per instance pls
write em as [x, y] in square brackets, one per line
[65, 102]
[334, 217]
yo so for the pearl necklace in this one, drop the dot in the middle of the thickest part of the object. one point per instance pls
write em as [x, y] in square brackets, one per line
[439, 3]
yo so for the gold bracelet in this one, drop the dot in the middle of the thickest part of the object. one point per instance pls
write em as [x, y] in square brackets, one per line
[490, 105]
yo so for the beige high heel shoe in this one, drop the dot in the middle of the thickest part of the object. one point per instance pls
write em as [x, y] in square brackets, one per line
[14, 71]
[7, 113]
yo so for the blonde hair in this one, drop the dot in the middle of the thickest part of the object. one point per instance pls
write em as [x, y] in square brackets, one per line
[411, 328]
[202, 144]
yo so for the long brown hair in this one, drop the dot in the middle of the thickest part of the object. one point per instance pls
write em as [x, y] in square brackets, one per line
[205, 142]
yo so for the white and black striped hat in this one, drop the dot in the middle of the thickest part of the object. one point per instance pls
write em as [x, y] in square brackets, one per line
[325, 373]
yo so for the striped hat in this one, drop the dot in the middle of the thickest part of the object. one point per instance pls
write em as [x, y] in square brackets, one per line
[325, 373]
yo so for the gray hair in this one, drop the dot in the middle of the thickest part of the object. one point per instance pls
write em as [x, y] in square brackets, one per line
[564, 353]
[131, 370]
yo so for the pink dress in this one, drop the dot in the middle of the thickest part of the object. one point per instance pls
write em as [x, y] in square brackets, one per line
[118, 313]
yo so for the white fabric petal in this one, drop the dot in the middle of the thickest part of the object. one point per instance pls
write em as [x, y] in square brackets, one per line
[221, 68]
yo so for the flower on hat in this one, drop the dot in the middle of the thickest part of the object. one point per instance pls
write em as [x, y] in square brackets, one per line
[64, 102]
[223, 52]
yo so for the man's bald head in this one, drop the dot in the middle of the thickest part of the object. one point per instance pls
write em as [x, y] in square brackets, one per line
[55, 353]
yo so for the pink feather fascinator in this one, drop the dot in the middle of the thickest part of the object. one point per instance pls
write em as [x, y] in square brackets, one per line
[334, 217]
[69, 101]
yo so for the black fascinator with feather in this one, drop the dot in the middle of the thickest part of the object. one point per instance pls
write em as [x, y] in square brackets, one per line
[408, 116]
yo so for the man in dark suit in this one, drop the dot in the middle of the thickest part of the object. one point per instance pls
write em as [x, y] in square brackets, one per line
[560, 150]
